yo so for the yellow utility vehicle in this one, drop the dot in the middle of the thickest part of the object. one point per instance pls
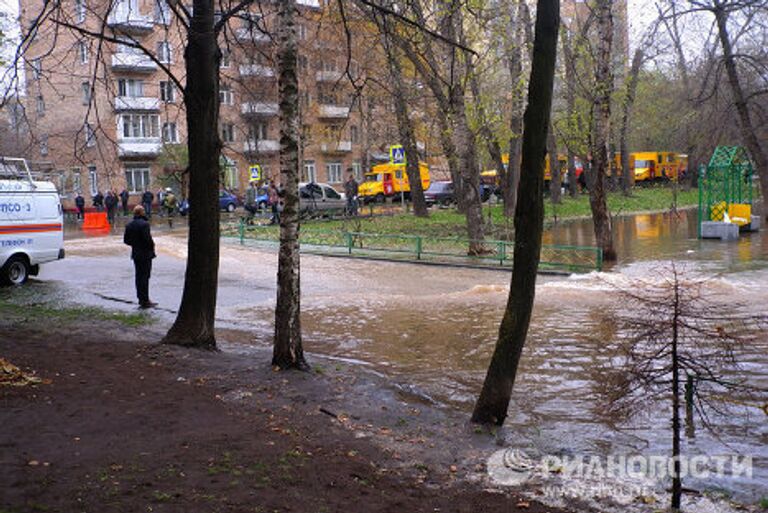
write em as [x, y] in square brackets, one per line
[650, 166]
[389, 180]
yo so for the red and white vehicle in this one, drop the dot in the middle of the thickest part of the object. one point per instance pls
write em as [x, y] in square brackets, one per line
[31, 222]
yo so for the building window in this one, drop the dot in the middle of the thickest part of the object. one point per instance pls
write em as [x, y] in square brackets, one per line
[354, 135]
[333, 169]
[44, 145]
[93, 178]
[302, 29]
[303, 64]
[225, 59]
[137, 179]
[357, 170]
[228, 132]
[80, 11]
[164, 52]
[40, 105]
[130, 87]
[37, 68]
[310, 171]
[170, 134]
[226, 97]
[62, 179]
[76, 180]
[162, 12]
[167, 91]
[258, 131]
[85, 87]
[90, 135]
[139, 126]
[82, 52]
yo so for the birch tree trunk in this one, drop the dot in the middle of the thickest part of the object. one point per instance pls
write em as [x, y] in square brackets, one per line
[287, 351]
[194, 324]
[492, 405]
[601, 112]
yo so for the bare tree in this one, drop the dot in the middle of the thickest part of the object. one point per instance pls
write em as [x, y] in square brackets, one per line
[492, 405]
[676, 337]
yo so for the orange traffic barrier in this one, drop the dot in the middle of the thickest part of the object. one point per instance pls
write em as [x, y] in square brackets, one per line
[96, 223]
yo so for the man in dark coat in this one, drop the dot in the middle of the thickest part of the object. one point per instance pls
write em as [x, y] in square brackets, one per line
[80, 204]
[146, 200]
[138, 236]
[98, 201]
[124, 200]
[110, 201]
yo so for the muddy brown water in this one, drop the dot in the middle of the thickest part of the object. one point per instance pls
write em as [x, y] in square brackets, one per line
[433, 330]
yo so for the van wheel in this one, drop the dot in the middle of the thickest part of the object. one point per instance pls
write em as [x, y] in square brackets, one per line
[15, 271]
[380, 198]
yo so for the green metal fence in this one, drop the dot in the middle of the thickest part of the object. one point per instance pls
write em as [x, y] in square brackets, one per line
[447, 250]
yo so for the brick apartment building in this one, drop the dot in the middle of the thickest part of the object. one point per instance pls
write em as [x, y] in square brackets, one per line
[103, 115]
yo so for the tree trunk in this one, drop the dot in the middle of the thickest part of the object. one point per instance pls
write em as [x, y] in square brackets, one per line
[511, 179]
[194, 324]
[405, 130]
[601, 112]
[554, 168]
[748, 134]
[677, 488]
[492, 405]
[287, 351]
[628, 176]
[570, 100]
[491, 143]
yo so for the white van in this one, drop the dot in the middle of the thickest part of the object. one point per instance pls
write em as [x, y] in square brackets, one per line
[31, 223]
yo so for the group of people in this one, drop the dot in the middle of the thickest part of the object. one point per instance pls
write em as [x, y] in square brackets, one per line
[112, 200]
[275, 194]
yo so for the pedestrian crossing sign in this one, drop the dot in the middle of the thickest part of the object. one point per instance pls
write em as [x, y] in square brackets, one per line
[255, 172]
[396, 154]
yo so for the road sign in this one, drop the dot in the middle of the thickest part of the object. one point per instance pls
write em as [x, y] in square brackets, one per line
[255, 173]
[396, 154]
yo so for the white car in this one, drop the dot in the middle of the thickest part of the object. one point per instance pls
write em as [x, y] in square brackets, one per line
[320, 199]
[31, 223]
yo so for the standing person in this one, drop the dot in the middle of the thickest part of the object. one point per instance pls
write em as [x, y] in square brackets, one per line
[111, 203]
[351, 188]
[80, 204]
[160, 203]
[274, 202]
[98, 201]
[138, 237]
[250, 202]
[169, 204]
[124, 200]
[146, 200]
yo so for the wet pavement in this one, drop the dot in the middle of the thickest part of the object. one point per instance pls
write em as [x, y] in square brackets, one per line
[432, 329]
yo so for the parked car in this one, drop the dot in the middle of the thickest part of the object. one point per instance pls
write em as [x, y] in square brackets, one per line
[440, 193]
[228, 201]
[320, 198]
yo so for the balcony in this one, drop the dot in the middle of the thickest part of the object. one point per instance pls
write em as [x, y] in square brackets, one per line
[259, 109]
[130, 21]
[128, 148]
[257, 70]
[337, 147]
[329, 76]
[326, 111]
[140, 103]
[251, 36]
[261, 146]
[136, 62]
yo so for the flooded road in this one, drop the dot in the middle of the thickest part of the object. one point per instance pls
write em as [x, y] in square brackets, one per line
[432, 329]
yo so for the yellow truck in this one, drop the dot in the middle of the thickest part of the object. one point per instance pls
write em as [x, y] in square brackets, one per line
[491, 176]
[652, 166]
[389, 180]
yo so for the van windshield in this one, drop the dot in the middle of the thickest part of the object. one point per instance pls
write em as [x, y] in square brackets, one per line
[643, 163]
[374, 178]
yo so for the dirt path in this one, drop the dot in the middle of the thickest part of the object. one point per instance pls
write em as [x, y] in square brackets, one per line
[128, 426]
